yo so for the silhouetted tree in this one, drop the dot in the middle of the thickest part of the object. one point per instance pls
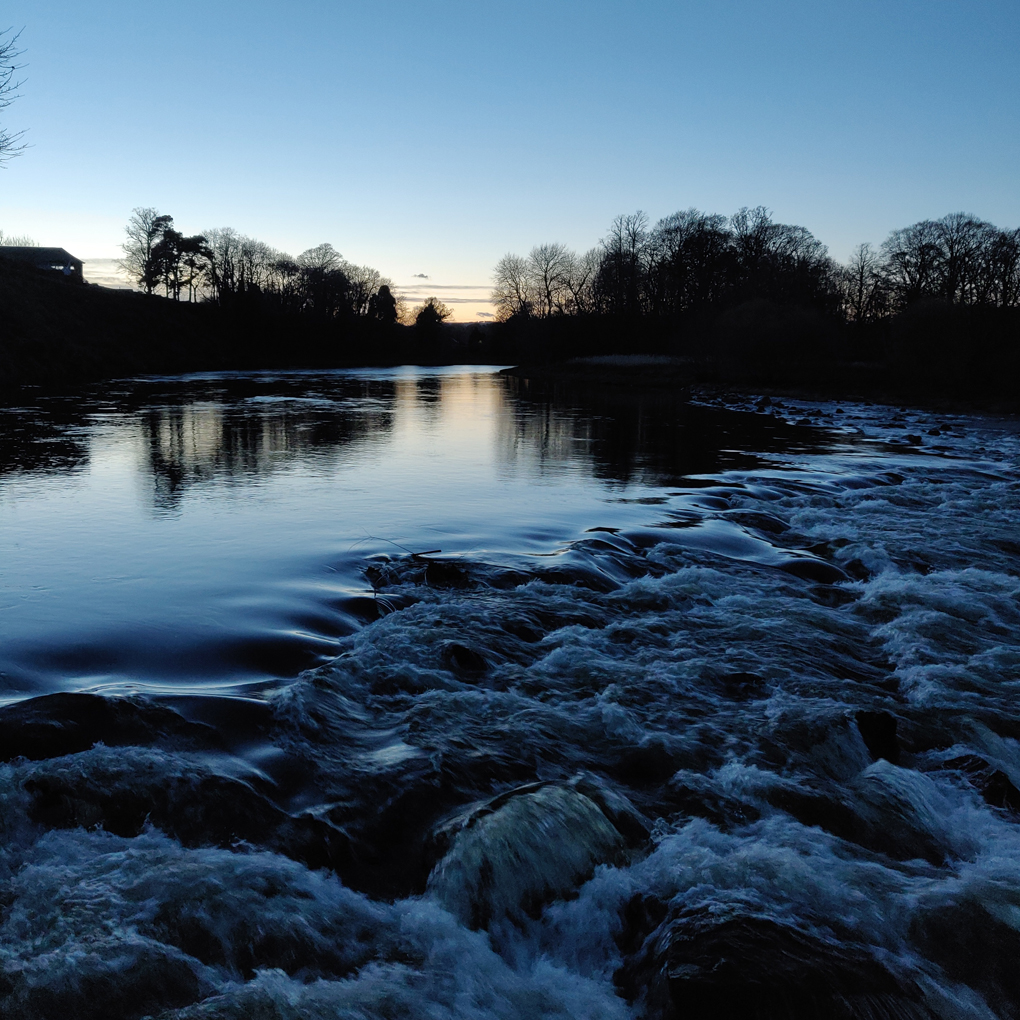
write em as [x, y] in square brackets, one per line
[863, 286]
[579, 280]
[362, 283]
[910, 256]
[1000, 262]
[960, 259]
[166, 259]
[512, 290]
[431, 314]
[195, 259]
[9, 143]
[548, 270]
[691, 263]
[144, 230]
[619, 283]
[382, 306]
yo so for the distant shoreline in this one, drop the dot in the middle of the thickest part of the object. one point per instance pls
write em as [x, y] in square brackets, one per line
[58, 336]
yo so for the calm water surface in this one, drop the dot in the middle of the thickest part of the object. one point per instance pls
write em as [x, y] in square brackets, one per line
[428, 694]
[215, 530]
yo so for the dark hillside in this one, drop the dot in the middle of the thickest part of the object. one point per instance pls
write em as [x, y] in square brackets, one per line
[59, 332]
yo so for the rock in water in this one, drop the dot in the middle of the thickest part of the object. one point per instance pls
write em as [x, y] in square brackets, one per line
[522, 851]
[718, 963]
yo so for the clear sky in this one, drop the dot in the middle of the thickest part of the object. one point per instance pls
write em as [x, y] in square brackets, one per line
[434, 137]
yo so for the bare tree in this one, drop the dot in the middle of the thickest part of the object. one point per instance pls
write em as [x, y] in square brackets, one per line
[10, 144]
[1000, 268]
[911, 256]
[862, 285]
[324, 284]
[548, 268]
[512, 291]
[17, 240]
[144, 230]
[580, 276]
[322, 257]
[621, 275]
[364, 283]
[691, 260]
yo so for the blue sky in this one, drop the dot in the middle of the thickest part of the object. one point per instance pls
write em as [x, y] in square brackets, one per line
[434, 137]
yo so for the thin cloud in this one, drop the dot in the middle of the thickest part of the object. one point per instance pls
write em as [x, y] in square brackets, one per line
[453, 286]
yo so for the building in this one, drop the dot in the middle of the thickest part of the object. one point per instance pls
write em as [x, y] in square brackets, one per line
[50, 260]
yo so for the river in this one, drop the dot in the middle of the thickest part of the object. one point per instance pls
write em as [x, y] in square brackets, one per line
[430, 692]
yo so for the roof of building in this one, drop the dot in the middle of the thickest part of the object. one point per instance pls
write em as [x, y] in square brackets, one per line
[37, 256]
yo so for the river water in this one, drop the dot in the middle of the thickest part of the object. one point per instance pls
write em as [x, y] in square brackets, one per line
[432, 693]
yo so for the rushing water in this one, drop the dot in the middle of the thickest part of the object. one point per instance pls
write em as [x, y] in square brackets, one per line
[698, 710]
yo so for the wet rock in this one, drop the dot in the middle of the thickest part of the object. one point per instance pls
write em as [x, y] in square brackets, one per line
[200, 809]
[579, 576]
[817, 809]
[743, 686]
[58, 724]
[647, 765]
[138, 981]
[517, 853]
[974, 947]
[810, 569]
[708, 963]
[856, 569]
[994, 785]
[759, 520]
[642, 914]
[692, 793]
[831, 596]
[897, 814]
[825, 745]
[462, 659]
[878, 730]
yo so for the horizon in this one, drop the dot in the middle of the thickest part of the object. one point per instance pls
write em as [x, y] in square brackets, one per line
[429, 145]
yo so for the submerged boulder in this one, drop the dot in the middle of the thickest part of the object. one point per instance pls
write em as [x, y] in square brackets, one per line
[717, 963]
[522, 850]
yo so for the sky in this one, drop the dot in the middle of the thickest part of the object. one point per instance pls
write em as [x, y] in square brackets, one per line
[429, 139]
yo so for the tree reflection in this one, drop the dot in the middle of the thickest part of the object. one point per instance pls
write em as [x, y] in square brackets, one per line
[43, 440]
[624, 436]
[239, 433]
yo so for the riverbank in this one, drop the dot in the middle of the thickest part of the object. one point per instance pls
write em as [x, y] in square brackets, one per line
[59, 334]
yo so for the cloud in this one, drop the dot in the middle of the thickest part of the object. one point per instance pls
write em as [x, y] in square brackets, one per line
[422, 276]
[454, 286]
[485, 315]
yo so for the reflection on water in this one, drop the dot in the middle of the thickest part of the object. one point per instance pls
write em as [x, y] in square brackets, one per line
[652, 437]
[215, 529]
[237, 436]
[236, 429]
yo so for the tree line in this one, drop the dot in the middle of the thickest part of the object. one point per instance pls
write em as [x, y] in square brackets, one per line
[692, 264]
[229, 268]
